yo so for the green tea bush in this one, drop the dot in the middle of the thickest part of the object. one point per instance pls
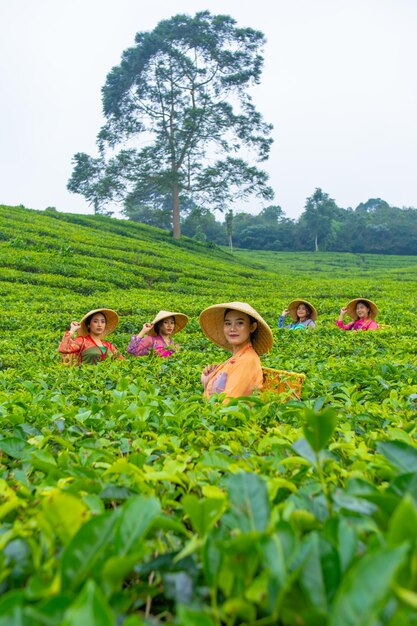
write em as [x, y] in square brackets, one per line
[127, 499]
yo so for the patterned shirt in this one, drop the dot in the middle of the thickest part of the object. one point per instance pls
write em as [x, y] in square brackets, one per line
[308, 323]
[141, 346]
[358, 325]
[86, 350]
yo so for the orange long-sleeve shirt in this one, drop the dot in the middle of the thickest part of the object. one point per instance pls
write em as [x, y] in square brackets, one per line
[239, 376]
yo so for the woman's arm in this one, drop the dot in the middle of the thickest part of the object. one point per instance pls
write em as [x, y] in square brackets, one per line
[344, 326]
[281, 319]
[339, 321]
[342, 313]
[69, 344]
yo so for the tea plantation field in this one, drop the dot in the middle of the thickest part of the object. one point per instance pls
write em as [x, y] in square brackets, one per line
[125, 499]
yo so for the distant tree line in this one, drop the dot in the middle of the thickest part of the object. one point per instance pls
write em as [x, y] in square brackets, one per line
[373, 226]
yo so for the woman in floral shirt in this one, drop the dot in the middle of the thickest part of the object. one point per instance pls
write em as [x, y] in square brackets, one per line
[89, 345]
[156, 336]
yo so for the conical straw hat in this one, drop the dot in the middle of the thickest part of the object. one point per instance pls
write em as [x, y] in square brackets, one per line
[181, 321]
[212, 322]
[292, 309]
[351, 308]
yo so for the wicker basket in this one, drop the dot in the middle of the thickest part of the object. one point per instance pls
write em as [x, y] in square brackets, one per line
[280, 381]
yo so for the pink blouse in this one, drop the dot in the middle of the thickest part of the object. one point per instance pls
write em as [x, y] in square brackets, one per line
[358, 325]
[141, 346]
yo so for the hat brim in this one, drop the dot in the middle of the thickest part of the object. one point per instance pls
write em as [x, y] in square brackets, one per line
[181, 320]
[293, 306]
[112, 320]
[212, 323]
[351, 308]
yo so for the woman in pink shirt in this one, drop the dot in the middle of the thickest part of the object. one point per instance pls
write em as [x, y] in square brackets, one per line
[362, 311]
[157, 335]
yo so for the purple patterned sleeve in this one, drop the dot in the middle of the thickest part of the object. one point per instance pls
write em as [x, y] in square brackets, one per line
[140, 346]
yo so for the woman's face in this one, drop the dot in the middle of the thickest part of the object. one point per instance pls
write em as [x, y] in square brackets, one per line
[362, 311]
[167, 326]
[302, 312]
[97, 324]
[237, 328]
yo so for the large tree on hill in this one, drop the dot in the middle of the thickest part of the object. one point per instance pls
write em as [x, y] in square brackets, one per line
[178, 106]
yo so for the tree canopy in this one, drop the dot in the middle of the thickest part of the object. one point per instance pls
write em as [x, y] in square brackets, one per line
[178, 108]
[318, 220]
[373, 226]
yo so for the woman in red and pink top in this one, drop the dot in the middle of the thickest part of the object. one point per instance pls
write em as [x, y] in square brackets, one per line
[156, 336]
[362, 311]
[89, 345]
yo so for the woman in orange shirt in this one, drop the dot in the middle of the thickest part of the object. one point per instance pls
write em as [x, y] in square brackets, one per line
[237, 327]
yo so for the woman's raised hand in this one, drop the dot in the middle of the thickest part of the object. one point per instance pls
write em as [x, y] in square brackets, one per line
[145, 328]
[285, 312]
[74, 327]
[342, 313]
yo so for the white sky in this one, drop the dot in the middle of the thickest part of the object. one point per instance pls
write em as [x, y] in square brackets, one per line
[339, 86]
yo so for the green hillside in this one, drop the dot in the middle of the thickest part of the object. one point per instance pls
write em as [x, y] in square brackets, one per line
[127, 499]
[60, 265]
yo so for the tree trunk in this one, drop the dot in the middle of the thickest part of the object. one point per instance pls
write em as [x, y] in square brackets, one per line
[176, 213]
[229, 228]
[316, 243]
